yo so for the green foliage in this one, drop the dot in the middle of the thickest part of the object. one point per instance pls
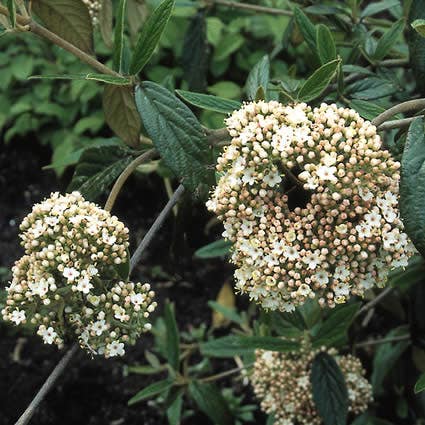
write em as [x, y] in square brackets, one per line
[329, 390]
[214, 249]
[258, 79]
[172, 336]
[209, 102]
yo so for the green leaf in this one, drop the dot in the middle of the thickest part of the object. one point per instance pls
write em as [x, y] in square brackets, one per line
[371, 88]
[117, 56]
[175, 132]
[211, 402]
[420, 384]
[172, 337]
[325, 44]
[374, 8]
[258, 78]
[227, 312]
[230, 346]
[151, 391]
[98, 168]
[329, 390]
[318, 81]
[121, 113]
[386, 357]
[150, 35]
[307, 28]
[419, 26]
[175, 410]
[387, 41]
[105, 22]
[214, 249]
[209, 102]
[11, 8]
[334, 329]
[412, 185]
[367, 110]
[70, 20]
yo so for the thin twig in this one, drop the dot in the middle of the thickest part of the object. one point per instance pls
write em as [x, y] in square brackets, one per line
[47, 386]
[409, 106]
[382, 341]
[156, 226]
[144, 157]
[375, 301]
[43, 32]
[402, 123]
[252, 7]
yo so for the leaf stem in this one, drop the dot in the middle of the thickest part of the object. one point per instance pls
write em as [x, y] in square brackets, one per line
[405, 122]
[119, 183]
[409, 106]
[382, 341]
[375, 301]
[251, 7]
[47, 386]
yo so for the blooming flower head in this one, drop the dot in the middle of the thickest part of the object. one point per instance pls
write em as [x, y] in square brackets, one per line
[69, 283]
[314, 209]
[281, 381]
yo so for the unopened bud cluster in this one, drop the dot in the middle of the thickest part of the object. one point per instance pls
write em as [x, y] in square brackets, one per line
[309, 199]
[282, 382]
[94, 7]
[68, 282]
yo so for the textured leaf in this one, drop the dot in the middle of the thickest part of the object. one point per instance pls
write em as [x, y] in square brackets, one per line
[367, 110]
[412, 185]
[258, 78]
[329, 390]
[136, 15]
[195, 53]
[175, 132]
[150, 35]
[121, 113]
[229, 346]
[416, 44]
[173, 339]
[325, 44]
[151, 391]
[318, 81]
[98, 168]
[371, 88]
[209, 102]
[307, 28]
[214, 249]
[334, 329]
[374, 8]
[211, 402]
[105, 22]
[11, 7]
[420, 384]
[117, 57]
[387, 41]
[69, 19]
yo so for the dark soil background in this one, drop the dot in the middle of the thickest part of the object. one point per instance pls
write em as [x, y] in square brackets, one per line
[96, 391]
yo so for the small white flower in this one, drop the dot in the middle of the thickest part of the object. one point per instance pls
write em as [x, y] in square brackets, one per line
[51, 221]
[99, 326]
[120, 314]
[108, 239]
[84, 285]
[48, 334]
[92, 270]
[291, 253]
[70, 273]
[326, 173]
[137, 299]
[248, 176]
[365, 194]
[115, 348]
[312, 260]
[341, 273]
[17, 316]
[322, 277]
[373, 219]
[272, 178]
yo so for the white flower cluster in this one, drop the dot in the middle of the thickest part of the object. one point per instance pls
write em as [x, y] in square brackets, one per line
[309, 200]
[94, 7]
[68, 282]
[282, 382]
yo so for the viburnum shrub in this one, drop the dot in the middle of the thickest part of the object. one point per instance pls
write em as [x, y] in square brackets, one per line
[318, 177]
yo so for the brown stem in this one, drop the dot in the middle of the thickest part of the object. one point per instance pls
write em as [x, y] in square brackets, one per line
[144, 157]
[409, 106]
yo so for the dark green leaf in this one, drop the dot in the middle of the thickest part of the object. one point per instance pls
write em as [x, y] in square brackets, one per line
[209, 102]
[367, 110]
[387, 41]
[151, 391]
[420, 384]
[214, 249]
[117, 57]
[173, 339]
[329, 390]
[68, 19]
[121, 113]
[371, 88]
[258, 78]
[229, 346]
[228, 313]
[325, 44]
[150, 35]
[211, 402]
[98, 168]
[195, 53]
[307, 28]
[318, 81]
[334, 329]
[11, 8]
[175, 410]
[412, 185]
[386, 357]
[105, 22]
[374, 8]
[175, 132]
